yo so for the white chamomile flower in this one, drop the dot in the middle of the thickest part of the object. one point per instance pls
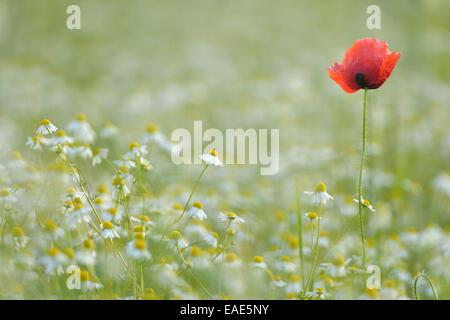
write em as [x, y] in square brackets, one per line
[37, 142]
[136, 151]
[108, 130]
[320, 193]
[52, 260]
[258, 263]
[62, 138]
[211, 158]
[212, 239]
[6, 196]
[81, 129]
[108, 230]
[230, 217]
[98, 154]
[120, 186]
[87, 254]
[46, 127]
[86, 284]
[142, 220]
[84, 151]
[278, 283]
[366, 204]
[153, 135]
[177, 240]
[197, 212]
[137, 249]
[19, 237]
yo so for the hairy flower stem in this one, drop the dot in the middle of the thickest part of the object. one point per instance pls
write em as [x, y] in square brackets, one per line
[299, 231]
[361, 222]
[426, 277]
[316, 251]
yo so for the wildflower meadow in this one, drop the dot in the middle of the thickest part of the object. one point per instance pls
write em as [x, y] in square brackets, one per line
[167, 150]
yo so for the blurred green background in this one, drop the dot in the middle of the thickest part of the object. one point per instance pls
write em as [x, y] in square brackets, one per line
[249, 64]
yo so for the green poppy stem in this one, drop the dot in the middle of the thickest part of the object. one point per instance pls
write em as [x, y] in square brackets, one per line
[363, 151]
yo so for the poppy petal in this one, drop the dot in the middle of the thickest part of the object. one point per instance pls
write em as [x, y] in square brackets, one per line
[337, 73]
[387, 67]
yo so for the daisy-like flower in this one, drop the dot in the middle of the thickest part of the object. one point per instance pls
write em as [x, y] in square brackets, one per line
[119, 186]
[258, 263]
[230, 217]
[108, 230]
[212, 239]
[366, 204]
[81, 129]
[211, 158]
[19, 237]
[108, 130]
[53, 230]
[78, 215]
[87, 254]
[112, 214]
[277, 282]
[52, 260]
[137, 249]
[6, 196]
[37, 142]
[46, 127]
[197, 212]
[86, 283]
[136, 151]
[142, 220]
[320, 193]
[98, 154]
[177, 240]
[84, 151]
[231, 260]
[61, 137]
[152, 134]
[367, 64]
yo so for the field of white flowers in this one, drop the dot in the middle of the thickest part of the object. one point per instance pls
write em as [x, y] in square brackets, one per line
[92, 206]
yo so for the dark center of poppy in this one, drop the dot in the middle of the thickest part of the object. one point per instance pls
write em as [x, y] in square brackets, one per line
[359, 78]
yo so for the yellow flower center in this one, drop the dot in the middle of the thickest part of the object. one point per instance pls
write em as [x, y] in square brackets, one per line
[196, 251]
[102, 188]
[214, 153]
[140, 244]
[134, 145]
[61, 134]
[84, 275]
[198, 205]
[89, 244]
[177, 206]
[231, 215]
[139, 229]
[107, 225]
[312, 215]
[174, 235]
[53, 251]
[215, 235]
[320, 187]
[152, 128]
[51, 225]
[17, 232]
[230, 257]
[113, 210]
[286, 258]
[5, 193]
[258, 259]
[81, 117]
[140, 236]
[366, 203]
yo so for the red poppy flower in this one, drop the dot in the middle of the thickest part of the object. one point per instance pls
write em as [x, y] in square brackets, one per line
[366, 65]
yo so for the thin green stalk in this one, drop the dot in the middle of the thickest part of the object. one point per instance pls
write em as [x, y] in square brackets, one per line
[361, 222]
[194, 188]
[299, 230]
[426, 277]
[316, 251]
